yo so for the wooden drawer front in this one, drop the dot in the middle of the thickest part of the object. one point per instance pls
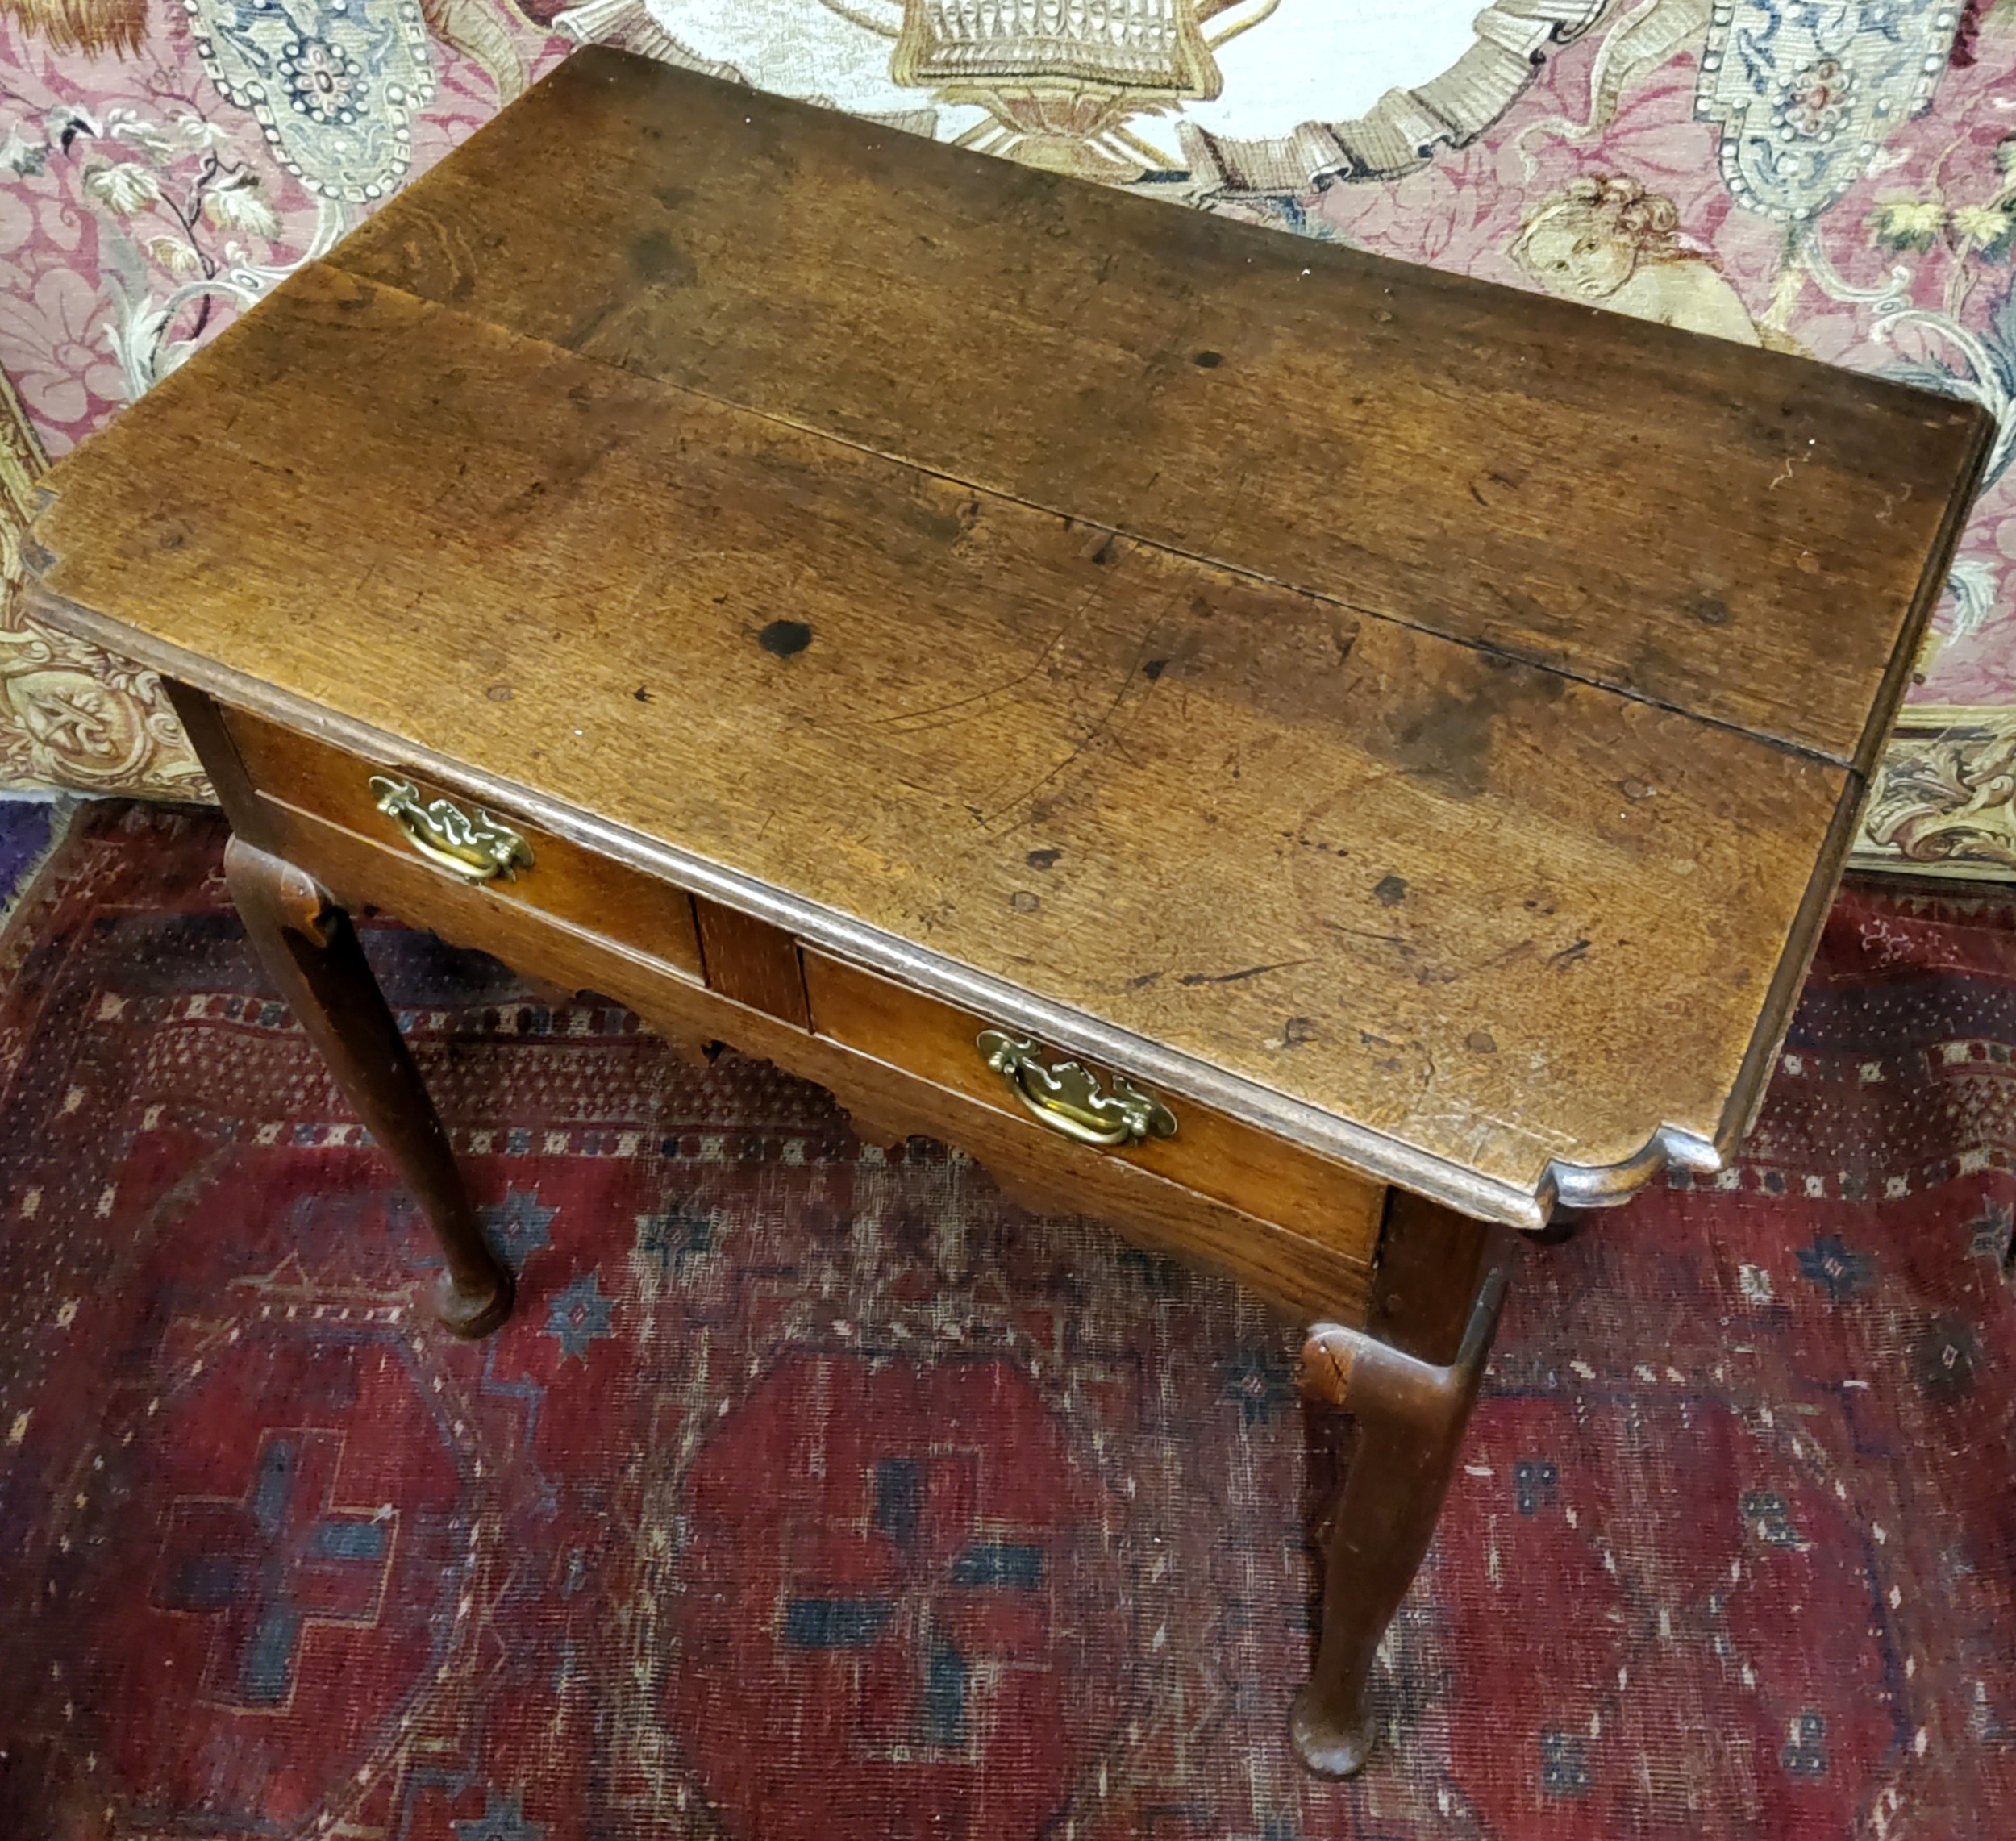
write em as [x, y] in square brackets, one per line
[1209, 1153]
[565, 882]
[752, 961]
[1302, 1275]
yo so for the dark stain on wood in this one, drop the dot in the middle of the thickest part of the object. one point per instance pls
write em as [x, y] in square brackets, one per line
[1448, 737]
[782, 639]
[661, 263]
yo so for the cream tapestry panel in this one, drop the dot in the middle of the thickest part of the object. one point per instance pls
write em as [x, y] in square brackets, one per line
[71, 716]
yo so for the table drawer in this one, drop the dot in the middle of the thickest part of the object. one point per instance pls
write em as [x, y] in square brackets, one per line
[1207, 1152]
[560, 879]
[1305, 1275]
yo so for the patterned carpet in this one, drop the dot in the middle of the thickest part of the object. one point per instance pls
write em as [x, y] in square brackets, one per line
[817, 1492]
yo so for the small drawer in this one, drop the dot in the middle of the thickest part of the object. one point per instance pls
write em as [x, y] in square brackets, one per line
[554, 877]
[1206, 1152]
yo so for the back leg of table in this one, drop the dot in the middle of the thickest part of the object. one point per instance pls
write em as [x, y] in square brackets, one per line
[310, 952]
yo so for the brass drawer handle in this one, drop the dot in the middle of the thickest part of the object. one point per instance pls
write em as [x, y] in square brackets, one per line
[1066, 1099]
[476, 849]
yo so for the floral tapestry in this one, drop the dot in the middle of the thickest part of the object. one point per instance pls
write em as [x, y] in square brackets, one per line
[1835, 180]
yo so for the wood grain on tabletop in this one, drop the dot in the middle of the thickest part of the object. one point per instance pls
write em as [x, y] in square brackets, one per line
[1500, 914]
[1730, 531]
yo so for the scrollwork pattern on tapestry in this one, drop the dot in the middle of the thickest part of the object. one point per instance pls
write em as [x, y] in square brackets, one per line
[70, 714]
[1945, 798]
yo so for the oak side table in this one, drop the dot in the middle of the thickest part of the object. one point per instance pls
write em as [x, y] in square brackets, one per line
[1302, 757]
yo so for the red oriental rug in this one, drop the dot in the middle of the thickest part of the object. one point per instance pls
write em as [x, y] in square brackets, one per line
[816, 1492]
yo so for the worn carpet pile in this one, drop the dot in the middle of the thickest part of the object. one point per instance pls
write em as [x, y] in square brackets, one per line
[815, 1493]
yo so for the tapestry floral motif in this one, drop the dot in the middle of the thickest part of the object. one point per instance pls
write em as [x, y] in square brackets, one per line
[142, 205]
[1806, 95]
[1946, 798]
[333, 86]
[149, 199]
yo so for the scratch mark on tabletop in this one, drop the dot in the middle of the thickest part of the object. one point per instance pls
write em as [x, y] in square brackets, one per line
[914, 720]
[1504, 957]
[1891, 501]
[1363, 933]
[1091, 735]
[1194, 978]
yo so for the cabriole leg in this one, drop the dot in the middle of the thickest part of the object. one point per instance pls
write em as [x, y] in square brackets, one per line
[310, 950]
[1411, 1417]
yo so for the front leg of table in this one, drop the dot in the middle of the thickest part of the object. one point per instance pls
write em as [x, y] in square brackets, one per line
[310, 952]
[1410, 1414]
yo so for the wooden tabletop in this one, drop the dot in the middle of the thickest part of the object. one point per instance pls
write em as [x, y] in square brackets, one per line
[1422, 718]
